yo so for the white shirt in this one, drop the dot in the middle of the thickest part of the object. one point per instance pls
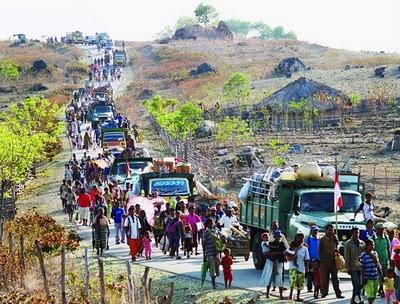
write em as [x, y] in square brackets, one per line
[68, 174]
[302, 256]
[368, 211]
[134, 224]
[228, 221]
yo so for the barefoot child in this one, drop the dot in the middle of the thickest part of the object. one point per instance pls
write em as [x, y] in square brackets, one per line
[298, 257]
[390, 293]
[147, 245]
[226, 263]
[317, 277]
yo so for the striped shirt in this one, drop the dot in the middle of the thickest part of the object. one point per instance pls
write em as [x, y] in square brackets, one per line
[368, 265]
[208, 244]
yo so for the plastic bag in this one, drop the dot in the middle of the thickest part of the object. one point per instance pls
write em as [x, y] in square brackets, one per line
[244, 192]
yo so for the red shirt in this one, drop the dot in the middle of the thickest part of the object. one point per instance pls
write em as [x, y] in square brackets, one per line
[84, 200]
[226, 263]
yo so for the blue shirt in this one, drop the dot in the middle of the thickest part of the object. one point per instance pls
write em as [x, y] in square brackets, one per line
[366, 234]
[117, 214]
[312, 244]
[368, 265]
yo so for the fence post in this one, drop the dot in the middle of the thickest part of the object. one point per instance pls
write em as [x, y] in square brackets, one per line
[101, 281]
[86, 274]
[42, 268]
[21, 259]
[63, 294]
[10, 243]
[131, 284]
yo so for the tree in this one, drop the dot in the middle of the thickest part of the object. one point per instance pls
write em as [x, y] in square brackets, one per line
[184, 21]
[205, 13]
[240, 27]
[8, 70]
[233, 130]
[264, 30]
[291, 35]
[179, 121]
[278, 32]
[237, 88]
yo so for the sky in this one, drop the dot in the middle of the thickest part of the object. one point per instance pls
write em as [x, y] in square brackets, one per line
[349, 24]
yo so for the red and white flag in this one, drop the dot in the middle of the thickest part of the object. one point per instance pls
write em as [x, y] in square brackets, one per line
[338, 200]
[127, 169]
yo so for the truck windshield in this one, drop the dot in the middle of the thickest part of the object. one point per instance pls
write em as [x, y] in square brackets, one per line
[136, 167]
[113, 137]
[102, 109]
[323, 201]
[170, 186]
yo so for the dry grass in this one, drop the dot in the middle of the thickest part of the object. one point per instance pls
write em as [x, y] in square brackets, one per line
[56, 57]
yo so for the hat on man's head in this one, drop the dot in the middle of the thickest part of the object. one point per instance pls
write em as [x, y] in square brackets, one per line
[213, 208]
[314, 228]
[379, 225]
[277, 233]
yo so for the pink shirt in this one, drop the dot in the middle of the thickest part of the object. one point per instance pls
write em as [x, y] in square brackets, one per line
[394, 242]
[146, 243]
[192, 220]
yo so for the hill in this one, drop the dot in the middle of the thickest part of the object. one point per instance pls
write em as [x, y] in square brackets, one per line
[165, 68]
[45, 69]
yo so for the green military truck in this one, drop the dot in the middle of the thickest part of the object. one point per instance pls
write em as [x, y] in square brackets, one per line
[119, 58]
[75, 38]
[296, 205]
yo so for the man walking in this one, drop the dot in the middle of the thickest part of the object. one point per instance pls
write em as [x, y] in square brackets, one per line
[352, 251]
[117, 215]
[312, 242]
[132, 229]
[327, 249]
[382, 247]
[210, 251]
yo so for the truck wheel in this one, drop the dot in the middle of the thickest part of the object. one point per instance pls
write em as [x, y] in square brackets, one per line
[258, 257]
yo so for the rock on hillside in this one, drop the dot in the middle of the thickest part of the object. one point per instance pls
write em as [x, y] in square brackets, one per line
[288, 66]
[197, 31]
[203, 68]
[39, 66]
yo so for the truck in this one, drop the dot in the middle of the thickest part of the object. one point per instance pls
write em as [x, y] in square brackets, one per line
[119, 58]
[114, 139]
[100, 112]
[137, 165]
[75, 38]
[168, 185]
[296, 205]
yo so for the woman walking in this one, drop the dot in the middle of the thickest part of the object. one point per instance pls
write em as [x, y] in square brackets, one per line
[100, 226]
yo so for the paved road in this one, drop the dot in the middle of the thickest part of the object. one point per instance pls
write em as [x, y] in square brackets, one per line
[245, 275]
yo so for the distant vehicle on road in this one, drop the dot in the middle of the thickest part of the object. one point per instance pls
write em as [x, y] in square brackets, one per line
[100, 112]
[75, 38]
[90, 40]
[113, 139]
[119, 58]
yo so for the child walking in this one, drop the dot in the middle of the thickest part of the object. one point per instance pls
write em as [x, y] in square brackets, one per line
[226, 263]
[188, 237]
[390, 292]
[317, 277]
[147, 245]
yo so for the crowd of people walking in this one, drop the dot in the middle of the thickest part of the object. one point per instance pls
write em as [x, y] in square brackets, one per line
[181, 228]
